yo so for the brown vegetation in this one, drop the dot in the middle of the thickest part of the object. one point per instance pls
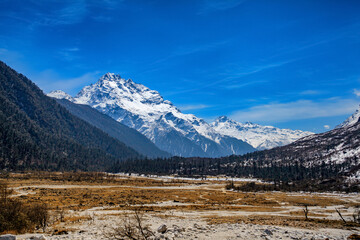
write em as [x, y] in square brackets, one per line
[16, 216]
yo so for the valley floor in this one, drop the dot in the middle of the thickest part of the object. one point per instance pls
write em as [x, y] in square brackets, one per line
[94, 207]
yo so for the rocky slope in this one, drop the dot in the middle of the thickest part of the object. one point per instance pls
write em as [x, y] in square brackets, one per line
[351, 120]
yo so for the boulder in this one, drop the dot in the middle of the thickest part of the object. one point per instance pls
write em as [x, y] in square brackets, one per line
[268, 232]
[7, 237]
[162, 229]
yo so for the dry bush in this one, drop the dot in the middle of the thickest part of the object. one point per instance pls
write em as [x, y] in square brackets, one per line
[131, 227]
[356, 215]
[15, 216]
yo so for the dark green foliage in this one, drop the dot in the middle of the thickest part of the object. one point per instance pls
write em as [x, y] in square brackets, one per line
[286, 177]
[37, 133]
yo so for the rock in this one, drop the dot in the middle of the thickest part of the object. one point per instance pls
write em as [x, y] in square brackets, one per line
[197, 226]
[38, 237]
[177, 228]
[162, 229]
[268, 232]
[8, 237]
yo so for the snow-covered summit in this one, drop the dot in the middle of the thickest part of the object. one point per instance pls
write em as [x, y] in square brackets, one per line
[260, 137]
[60, 95]
[112, 91]
[351, 120]
[145, 110]
[139, 107]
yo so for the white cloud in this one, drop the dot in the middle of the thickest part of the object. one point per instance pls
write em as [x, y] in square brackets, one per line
[357, 92]
[193, 107]
[302, 109]
[326, 126]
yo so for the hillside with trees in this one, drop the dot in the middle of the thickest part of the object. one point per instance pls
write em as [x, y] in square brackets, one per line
[38, 133]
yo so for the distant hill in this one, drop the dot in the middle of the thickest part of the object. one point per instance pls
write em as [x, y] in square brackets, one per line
[129, 136]
[38, 133]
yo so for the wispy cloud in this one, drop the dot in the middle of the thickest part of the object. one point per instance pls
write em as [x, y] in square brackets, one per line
[232, 79]
[70, 12]
[209, 6]
[69, 54]
[243, 84]
[238, 72]
[49, 80]
[310, 92]
[357, 92]
[188, 50]
[193, 107]
[302, 109]
[57, 12]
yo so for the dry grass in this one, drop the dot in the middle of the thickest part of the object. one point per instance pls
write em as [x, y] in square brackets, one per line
[61, 191]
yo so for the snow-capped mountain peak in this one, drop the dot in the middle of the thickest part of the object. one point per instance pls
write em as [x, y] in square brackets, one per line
[139, 107]
[60, 95]
[351, 120]
[260, 137]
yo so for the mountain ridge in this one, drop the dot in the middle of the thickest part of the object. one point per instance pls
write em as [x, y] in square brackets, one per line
[124, 134]
[145, 110]
[259, 136]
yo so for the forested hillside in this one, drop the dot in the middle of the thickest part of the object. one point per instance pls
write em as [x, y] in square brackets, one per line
[37, 133]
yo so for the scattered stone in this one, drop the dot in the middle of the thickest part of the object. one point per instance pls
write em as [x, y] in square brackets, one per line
[38, 237]
[162, 229]
[177, 228]
[268, 232]
[8, 237]
[197, 226]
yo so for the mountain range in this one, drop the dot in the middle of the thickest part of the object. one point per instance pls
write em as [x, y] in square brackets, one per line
[327, 161]
[145, 110]
[38, 132]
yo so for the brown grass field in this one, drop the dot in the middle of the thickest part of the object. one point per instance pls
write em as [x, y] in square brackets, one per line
[75, 197]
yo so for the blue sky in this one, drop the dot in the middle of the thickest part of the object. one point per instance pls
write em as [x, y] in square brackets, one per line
[291, 64]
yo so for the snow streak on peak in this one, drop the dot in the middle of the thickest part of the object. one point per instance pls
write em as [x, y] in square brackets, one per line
[260, 137]
[351, 120]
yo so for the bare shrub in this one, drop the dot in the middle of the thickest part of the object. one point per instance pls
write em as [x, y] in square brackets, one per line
[356, 215]
[38, 215]
[131, 227]
[15, 216]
